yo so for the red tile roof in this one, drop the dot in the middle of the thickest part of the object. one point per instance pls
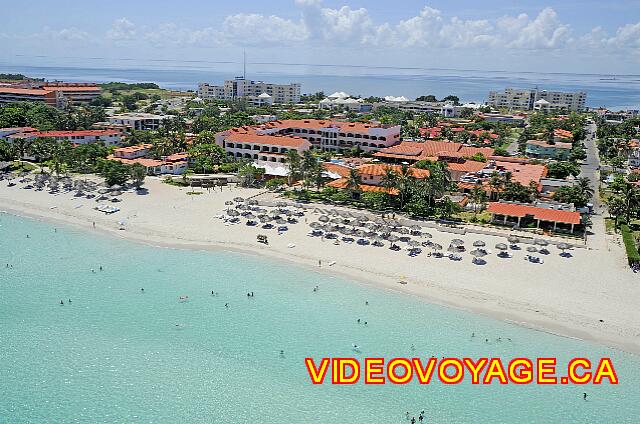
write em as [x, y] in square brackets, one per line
[430, 149]
[523, 173]
[557, 145]
[380, 170]
[552, 215]
[237, 137]
[470, 151]
[343, 171]
[25, 91]
[356, 127]
[467, 166]
[132, 149]
[342, 183]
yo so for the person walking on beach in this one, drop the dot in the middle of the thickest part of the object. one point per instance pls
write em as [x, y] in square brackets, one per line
[320, 262]
[94, 224]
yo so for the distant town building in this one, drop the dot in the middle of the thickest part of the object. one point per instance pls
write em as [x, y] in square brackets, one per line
[58, 94]
[108, 137]
[138, 121]
[543, 150]
[342, 101]
[536, 99]
[444, 109]
[258, 93]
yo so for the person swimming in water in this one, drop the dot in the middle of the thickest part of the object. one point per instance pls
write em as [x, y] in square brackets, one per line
[226, 305]
[69, 300]
[142, 290]
[584, 396]
[61, 302]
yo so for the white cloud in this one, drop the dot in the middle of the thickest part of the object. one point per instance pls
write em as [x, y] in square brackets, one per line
[122, 29]
[254, 29]
[544, 32]
[349, 28]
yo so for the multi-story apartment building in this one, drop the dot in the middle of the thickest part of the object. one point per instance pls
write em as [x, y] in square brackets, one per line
[271, 141]
[337, 136]
[108, 137]
[255, 92]
[513, 99]
[246, 143]
[138, 121]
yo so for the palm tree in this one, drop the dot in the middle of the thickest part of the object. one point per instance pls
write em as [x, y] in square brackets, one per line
[631, 198]
[294, 164]
[404, 183]
[307, 165]
[317, 174]
[497, 184]
[584, 185]
[354, 180]
[138, 173]
[389, 181]
[478, 196]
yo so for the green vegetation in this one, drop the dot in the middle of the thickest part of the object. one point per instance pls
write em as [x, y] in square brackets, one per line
[46, 118]
[630, 245]
[17, 77]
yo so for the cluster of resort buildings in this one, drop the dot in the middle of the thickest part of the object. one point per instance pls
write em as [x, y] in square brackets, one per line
[55, 94]
[471, 162]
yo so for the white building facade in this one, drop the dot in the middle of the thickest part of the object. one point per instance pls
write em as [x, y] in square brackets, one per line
[513, 99]
[251, 91]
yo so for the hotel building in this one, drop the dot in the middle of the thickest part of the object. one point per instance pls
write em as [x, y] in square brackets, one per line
[255, 92]
[58, 95]
[513, 99]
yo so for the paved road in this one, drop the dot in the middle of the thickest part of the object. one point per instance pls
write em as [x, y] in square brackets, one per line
[590, 166]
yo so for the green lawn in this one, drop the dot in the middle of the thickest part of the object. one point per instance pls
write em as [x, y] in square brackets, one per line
[481, 217]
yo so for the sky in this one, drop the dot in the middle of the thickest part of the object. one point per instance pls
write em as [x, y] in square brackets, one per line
[557, 36]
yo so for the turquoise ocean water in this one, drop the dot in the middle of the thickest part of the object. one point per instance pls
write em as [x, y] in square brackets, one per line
[115, 354]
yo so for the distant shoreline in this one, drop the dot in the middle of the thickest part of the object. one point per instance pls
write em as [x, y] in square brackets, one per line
[622, 93]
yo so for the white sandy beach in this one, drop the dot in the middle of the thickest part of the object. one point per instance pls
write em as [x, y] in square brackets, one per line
[591, 295]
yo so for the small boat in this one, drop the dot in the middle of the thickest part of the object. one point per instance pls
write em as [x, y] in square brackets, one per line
[183, 298]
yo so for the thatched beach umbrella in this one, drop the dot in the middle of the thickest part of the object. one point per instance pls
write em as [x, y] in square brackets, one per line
[479, 243]
[324, 218]
[477, 254]
[427, 235]
[315, 225]
[502, 246]
[541, 242]
[457, 242]
[393, 238]
[436, 246]
[228, 203]
[238, 199]
[532, 249]
[413, 243]
[564, 246]
[513, 239]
